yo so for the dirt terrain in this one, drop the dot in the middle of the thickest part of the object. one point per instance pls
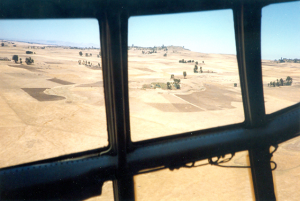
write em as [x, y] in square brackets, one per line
[56, 106]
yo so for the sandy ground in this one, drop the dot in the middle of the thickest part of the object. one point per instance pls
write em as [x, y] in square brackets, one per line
[56, 106]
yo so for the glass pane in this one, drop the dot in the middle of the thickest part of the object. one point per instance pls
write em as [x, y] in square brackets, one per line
[107, 193]
[51, 105]
[190, 82]
[198, 183]
[280, 54]
[287, 174]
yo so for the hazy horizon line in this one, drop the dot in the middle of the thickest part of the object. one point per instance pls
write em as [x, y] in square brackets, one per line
[94, 46]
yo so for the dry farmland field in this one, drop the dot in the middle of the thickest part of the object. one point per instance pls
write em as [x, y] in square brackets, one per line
[55, 106]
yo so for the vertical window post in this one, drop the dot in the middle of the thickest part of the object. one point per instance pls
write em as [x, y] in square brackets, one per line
[248, 33]
[114, 43]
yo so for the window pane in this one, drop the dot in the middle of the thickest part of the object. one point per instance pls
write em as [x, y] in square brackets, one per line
[287, 174]
[198, 183]
[50, 104]
[190, 82]
[106, 194]
[281, 55]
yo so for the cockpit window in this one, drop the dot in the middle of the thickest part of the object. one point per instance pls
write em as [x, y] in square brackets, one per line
[51, 89]
[281, 55]
[183, 73]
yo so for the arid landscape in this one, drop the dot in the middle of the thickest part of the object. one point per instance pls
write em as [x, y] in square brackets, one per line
[55, 106]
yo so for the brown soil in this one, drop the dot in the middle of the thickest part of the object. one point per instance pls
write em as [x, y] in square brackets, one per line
[30, 68]
[213, 98]
[38, 94]
[59, 81]
[96, 84]
[53, 62]
[94, 67]
[146, 69]
[175, 107]
[48, 127]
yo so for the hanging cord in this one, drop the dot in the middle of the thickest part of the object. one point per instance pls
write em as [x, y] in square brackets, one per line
[271, 155]
[212, 162]
[217, 163]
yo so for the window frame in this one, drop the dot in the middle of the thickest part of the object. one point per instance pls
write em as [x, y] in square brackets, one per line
[85, 172]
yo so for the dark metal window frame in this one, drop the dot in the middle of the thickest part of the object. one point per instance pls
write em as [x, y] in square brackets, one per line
[81, 175]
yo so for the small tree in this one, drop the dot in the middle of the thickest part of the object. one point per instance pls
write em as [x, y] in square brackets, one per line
[197, 62]
[289, 80]
[29, 61]
[196, 69]
[15, 58]
[184, 74]
[165, 54]
[281, 81]
[20, 60]
[176, 83]
[169, 85]
[172, 76]
[2, 44]
[80, 53]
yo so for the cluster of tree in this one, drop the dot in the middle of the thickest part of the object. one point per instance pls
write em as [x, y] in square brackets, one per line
[29, 52]
[175, 84]
[87, 63]
[169, 85]
[196, 69]
[287, 82]
[86, 54]
[38, 47]
[4, 59]
[283, 60]
[29, 61]
[149, 52]
[187, 61]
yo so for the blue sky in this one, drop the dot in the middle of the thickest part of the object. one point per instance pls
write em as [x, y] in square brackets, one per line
[210, 32]
[281, 31]
[207, 32]
[77, 32]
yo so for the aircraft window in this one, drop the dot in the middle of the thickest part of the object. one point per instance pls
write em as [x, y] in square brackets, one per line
[183, 73]
[198, 183]
[280, 55]
[106, 193]
[51, 97]
[286, 175]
